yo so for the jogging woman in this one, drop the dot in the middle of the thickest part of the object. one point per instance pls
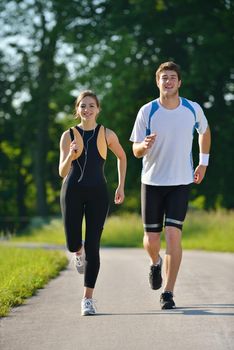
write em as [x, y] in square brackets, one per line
[83, 151]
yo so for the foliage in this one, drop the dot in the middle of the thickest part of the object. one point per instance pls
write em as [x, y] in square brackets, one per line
[50, 50]
[141, 36]
[23, 271]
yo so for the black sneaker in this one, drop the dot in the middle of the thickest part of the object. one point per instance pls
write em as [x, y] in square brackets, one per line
[155, 278]
[166, 301]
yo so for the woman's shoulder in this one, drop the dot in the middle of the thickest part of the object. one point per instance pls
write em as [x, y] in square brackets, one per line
[65, 135]
[110, 136]
[107, 130]
[69, 134]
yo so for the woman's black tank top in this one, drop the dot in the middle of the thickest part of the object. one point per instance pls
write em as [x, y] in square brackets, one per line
[88, 169]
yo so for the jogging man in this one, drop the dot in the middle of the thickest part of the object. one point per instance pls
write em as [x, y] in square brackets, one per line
[163, 136]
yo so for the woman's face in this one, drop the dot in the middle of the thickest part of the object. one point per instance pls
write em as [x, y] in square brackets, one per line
[88, 109]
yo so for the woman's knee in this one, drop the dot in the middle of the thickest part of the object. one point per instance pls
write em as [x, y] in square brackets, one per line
[73, 247]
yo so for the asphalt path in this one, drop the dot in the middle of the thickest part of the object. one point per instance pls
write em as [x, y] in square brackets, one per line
[129, 315]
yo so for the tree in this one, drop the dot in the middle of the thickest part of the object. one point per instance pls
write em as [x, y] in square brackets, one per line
[37, 46]
[50, 50]
[137, 37]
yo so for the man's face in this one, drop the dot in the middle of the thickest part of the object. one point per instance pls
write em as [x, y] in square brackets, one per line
[168, 83]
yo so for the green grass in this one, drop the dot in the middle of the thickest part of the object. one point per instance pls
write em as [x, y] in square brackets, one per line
[123, 231]
[23, 271]
[212, 231]
[51, 233]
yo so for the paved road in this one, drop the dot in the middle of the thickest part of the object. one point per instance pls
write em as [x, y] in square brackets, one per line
[129, 313]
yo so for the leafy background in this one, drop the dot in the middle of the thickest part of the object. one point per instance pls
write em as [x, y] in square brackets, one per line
[51, 50]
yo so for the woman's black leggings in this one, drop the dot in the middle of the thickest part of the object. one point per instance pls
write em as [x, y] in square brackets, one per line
[93, 204]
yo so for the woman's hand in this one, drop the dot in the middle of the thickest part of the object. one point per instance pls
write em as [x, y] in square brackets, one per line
[73, 150]
[119, 196]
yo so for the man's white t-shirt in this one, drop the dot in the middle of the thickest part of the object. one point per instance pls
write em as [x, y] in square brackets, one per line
[169, 161]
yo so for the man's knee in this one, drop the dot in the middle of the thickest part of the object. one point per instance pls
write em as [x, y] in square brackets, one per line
[152, 237]
[173, 235]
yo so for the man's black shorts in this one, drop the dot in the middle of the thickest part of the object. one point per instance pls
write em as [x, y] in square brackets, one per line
[163, 205]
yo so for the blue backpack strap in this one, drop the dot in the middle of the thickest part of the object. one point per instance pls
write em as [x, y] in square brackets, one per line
[188, 105]
[154, 108]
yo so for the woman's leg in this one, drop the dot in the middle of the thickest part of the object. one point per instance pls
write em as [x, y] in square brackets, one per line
[96, 210]
[72, 208]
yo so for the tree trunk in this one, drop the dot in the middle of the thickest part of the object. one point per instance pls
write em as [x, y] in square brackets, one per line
[42, 110]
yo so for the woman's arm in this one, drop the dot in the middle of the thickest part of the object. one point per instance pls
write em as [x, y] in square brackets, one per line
[67, 153]
[117, 149]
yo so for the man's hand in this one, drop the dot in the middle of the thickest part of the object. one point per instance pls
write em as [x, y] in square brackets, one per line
[149, 141]
[140, 148]
[199, 174]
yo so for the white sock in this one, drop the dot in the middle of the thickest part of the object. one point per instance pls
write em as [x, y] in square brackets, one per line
[158, 262]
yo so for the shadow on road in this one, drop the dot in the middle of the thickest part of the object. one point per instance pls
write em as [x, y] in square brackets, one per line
[195, 310]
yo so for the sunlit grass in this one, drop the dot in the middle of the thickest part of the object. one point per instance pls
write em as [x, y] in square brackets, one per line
[212, 231]
[123, 231]
[209, 231]
[51, 233]
[23, 271]
[202, 230]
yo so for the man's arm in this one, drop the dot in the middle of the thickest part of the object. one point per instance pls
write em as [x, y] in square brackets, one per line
[140, 148]
[204, 141]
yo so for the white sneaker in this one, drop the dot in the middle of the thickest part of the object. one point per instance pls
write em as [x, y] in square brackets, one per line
[88, 307]
[79, 261]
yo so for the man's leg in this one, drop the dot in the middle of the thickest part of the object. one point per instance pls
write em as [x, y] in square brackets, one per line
[176, 208]
[152, 217]
[172, 257]
[151, 242]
